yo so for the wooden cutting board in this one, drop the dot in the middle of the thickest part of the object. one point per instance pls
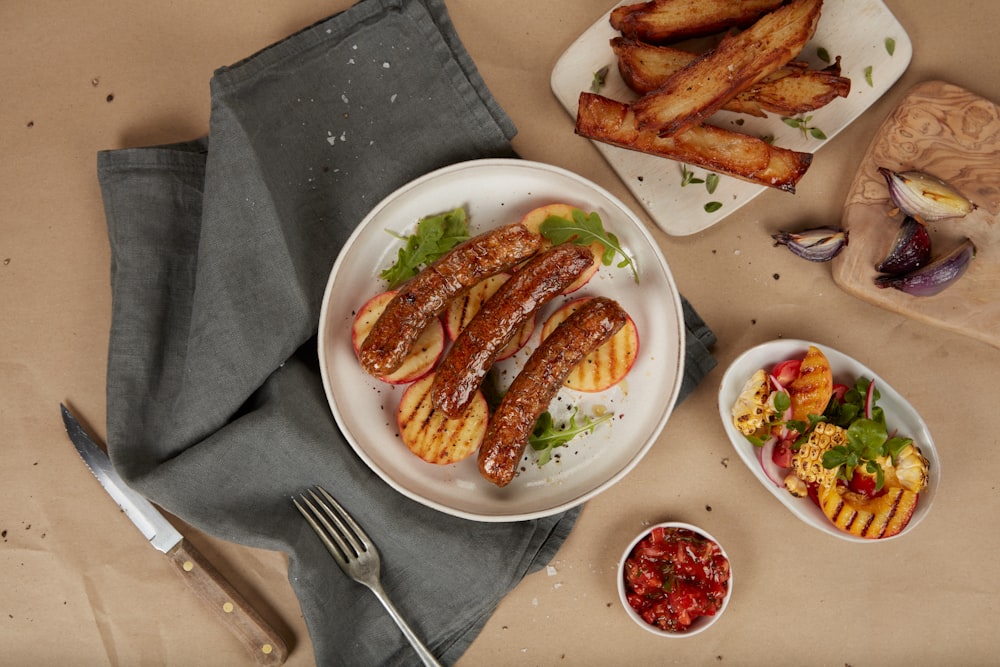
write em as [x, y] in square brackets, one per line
[949, 132]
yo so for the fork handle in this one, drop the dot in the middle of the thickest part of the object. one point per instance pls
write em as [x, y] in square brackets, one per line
[425, 655]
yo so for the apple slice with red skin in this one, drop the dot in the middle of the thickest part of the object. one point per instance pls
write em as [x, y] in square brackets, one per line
[432, 435]
[607, 365]
[425, 353]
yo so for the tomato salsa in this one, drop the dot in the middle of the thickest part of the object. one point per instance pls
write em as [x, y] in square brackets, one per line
[673, 576]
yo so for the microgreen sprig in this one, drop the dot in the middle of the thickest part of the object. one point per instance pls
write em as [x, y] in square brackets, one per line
[802, 124]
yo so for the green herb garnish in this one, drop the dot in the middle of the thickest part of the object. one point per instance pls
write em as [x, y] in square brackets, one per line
[599, 77]
[713, 206]
[868, 75]
[802, 124]
[711, 182]
[868, 439]
[435, 235]
[890, 45]
[823, 54]
[688, 177]
[547, 435]
[585, 229]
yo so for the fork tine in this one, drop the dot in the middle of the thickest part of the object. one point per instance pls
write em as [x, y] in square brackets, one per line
[349, 528]
[330, 538]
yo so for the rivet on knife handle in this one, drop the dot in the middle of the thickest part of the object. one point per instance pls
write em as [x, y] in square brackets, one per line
[213, 589]
[264, 643]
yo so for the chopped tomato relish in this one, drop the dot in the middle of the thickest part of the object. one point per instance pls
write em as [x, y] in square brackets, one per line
[675, 575]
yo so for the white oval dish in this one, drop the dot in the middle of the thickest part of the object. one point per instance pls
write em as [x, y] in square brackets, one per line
[900, 416]
[701, 623]
[496, 192]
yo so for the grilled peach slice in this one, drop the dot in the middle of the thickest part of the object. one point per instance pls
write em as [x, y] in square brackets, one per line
[607, 365]
[811, 391]
[430, 434]
[884, 515]
[425, 353]
[533, 221]
[461, 310]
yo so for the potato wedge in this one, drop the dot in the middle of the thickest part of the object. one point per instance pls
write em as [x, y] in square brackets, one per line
[791, 90]
[722, 151]
[800, 91]
[662, 21]
[739, 61]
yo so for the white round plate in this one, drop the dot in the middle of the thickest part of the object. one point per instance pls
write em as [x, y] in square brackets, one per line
[900, 416]
[497, 192]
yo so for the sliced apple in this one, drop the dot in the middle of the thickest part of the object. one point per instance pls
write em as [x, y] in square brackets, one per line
[533, 221]
[811, 391]
[431, 435]
[607, 365]
[876, 517]
[425, 353]
[460, 312]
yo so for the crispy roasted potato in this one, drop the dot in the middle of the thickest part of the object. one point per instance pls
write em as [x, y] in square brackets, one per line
[662, 21]
[739, 61]
[722, 151]
[792, 89]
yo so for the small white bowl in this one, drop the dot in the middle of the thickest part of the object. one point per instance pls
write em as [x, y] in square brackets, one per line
[900, 416]
[701, 623]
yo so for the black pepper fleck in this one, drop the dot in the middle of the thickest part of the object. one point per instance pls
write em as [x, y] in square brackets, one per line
[777, 275]
[110, 97]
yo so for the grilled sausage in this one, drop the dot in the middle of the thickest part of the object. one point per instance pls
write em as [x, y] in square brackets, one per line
[427, 294]
[475, 349]
[539, 381]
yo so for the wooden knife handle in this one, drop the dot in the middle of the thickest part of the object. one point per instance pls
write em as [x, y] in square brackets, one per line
[266, 646]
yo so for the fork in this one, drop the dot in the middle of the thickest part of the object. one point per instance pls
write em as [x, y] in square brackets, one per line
[355, 553]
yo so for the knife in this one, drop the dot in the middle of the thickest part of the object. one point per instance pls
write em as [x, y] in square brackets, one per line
[266, 646]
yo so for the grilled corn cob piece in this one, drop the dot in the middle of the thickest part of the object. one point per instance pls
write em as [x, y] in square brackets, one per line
[752, 410]
[910, 470]
[807, 462]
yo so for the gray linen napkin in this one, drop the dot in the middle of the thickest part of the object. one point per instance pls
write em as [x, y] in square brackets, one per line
[221, 249]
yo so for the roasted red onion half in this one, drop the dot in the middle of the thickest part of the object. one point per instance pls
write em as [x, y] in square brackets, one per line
[932, 278]
[910, 250]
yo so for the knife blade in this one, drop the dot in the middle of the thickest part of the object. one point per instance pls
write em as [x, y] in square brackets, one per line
[265, 645]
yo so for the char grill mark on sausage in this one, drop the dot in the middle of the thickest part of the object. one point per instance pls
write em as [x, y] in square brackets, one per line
[427, 294]
[499, 319]
[534, 388]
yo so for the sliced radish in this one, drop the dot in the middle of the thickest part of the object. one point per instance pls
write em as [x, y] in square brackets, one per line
[765, 455]
[870, 399]
[461, 311]
[607, 365]
[533, 221]
[426, 350]
[431, 435]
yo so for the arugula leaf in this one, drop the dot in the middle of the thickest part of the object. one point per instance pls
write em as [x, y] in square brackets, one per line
[585, 229]
[547, 435]
[435, 235]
